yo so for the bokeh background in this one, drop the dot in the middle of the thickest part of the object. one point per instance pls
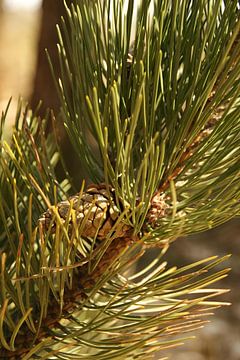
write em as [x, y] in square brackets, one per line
[26, 29]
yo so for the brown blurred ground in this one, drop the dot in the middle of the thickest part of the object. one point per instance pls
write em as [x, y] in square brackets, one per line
[221, 339]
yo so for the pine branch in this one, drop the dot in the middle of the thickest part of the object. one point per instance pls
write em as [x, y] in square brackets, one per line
[164, 114]
[46, 289]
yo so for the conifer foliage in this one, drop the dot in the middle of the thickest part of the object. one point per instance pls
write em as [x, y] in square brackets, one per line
[150, 101]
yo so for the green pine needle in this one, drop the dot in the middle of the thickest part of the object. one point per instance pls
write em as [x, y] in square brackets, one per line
[145, 116]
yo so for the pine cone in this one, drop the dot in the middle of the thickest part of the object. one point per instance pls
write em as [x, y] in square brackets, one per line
[97, 207]
[158, 209]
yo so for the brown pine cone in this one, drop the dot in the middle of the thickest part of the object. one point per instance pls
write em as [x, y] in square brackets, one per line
[158, 209]
[96, 207]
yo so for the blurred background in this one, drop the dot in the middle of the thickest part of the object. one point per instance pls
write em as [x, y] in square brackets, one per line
[19, 28]
[26, 29]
